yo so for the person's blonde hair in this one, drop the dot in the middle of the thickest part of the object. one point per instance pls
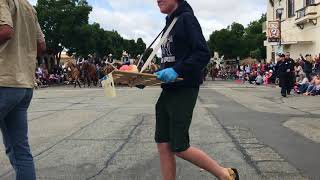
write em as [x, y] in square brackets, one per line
[309, 58]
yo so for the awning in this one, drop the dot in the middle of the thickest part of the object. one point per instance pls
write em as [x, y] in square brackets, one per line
[266, 43]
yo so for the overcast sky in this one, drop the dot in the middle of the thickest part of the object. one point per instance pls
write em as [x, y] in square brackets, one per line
[141, 18]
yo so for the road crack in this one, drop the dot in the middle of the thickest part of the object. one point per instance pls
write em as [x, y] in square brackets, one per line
[121, 147]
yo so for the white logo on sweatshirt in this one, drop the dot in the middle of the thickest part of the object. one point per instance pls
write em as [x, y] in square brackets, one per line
[167, 52]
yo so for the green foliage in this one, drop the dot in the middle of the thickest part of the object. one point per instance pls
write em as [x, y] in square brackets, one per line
[65, 25]
[237, 41]
[256, 53]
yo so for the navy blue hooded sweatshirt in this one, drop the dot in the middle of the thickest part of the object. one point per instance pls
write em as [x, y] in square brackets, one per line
[186, 49]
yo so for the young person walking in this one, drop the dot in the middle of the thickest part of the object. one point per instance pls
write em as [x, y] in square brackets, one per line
[184, 54]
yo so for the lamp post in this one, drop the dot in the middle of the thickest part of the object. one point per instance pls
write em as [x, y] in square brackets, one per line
[280, 12]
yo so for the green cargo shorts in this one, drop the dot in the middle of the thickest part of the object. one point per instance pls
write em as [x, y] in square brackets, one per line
[174, 111]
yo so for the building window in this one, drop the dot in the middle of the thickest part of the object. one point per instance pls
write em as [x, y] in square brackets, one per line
[309, 2]
[277, 16]
[291, 8]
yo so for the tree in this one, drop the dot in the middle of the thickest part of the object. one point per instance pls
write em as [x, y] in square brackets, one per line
[65, 25]
[141, 46]
[238, 41]
[228, 42]
[255, 38]
[61, 21]
[237, 29]
[256, 53]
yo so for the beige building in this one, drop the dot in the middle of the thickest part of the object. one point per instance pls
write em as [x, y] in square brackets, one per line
[300, 27]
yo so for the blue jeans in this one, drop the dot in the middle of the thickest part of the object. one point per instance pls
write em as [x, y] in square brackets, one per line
[14, 103]
[303, 88]
[312, 89]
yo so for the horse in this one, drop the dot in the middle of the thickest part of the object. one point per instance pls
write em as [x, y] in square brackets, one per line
[75, 73]
[90, 74]
[152, 68]
[214, 73]
[111, 67]
[108, 69]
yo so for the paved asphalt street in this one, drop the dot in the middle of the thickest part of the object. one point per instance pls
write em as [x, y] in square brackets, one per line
[80, 134]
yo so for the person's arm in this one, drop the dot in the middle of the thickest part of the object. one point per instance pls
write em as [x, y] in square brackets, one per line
[200, 55]
[302, 58]
[313, 80]
[6, 33]
[41, 47]
[41, 43]
[6, 25]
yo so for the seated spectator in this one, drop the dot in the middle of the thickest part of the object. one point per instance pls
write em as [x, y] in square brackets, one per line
[39, 70]
[302, 84]
[252, 77]
[267, 77]
[259, 79]
[246, 77]
[314, 86]
[38, 82]
[54, 79]
[248, 69]
[241, 76]
[317, 65]
[273, 78]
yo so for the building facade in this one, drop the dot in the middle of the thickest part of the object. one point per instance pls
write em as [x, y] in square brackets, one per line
[297, 30]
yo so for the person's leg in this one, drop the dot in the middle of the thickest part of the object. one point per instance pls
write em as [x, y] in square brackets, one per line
[283, 91]
[9, 98]
[303, 88]
[202, 160]
[167, 161]
[288, 88]
[162, 133]
[16, 129]
[282, 85]
[313, 91]
[287, 82]
[181, 111]
[292, 83]
[289, 91]
[310, 87]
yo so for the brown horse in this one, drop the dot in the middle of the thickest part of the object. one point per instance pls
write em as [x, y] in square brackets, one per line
[214, 73]
[90, 74]
[152, 68]
[75, 73]
[111, 67]
[107, 69]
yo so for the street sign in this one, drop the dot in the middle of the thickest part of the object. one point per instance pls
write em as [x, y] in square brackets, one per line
[273, 31]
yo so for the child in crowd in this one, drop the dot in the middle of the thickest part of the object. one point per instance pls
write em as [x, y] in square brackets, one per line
[259, 79]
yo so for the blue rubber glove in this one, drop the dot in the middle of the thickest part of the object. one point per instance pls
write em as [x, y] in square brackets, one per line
[167, 75]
